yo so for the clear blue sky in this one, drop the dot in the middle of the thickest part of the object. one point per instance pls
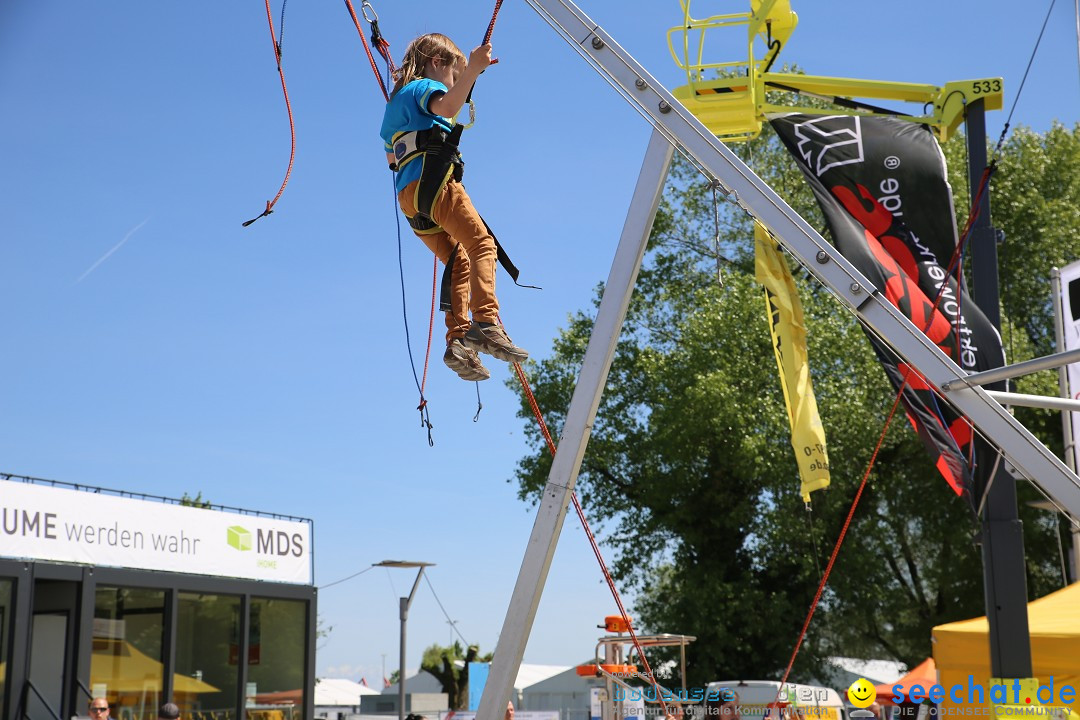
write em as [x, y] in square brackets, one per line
[152, 344]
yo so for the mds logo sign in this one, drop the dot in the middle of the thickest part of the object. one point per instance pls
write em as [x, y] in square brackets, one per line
[267, 542]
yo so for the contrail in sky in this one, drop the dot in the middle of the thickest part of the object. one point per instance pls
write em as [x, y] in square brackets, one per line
[116, 247]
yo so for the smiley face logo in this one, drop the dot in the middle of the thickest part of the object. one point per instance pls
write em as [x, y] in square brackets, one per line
[862, 693]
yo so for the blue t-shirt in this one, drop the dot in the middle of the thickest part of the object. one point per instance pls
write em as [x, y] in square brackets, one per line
[408, 111]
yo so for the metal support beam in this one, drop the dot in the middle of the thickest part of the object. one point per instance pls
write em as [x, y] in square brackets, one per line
[1034, 401]
[1002, 536]
[575, 435]
[1066, 417]
[1007, 372]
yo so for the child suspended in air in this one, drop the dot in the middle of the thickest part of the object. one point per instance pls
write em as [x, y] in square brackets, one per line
[431, 87]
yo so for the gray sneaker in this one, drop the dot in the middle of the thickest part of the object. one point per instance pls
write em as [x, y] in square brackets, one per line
[464, 361]
[493, 341]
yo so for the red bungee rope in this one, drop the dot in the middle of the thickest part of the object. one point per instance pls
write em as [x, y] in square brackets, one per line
[491, 25]
[520, 372]
[953, 263]
[592, 538]
[377, 38]
[430, 333]
[288, 107]
[384, 48]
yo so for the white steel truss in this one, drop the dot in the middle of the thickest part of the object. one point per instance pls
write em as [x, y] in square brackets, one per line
[674, 126]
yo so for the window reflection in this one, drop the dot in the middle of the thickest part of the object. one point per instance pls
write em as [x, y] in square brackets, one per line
[276, 659]
[125, 663]
[5, 639]
[207, 668]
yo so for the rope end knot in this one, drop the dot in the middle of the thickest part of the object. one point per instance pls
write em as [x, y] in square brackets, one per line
[268, 211]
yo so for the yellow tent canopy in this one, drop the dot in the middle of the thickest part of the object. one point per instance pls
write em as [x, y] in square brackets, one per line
[123, 669]
[963, 648]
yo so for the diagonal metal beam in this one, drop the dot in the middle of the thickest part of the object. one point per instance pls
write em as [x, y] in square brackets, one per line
[679, 127]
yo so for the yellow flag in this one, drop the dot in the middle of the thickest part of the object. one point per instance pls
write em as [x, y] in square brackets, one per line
[789, 343]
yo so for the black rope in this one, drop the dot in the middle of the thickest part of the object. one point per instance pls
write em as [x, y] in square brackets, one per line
[813, 539]
[1008, 120]
[836, 100]
[452, 623]
[281, 28]
[479, 405]
[1061, 550]
[350, 577]
[425, 415]
[773, 45]
[715, 184]
[1076, 10]
[422, 408]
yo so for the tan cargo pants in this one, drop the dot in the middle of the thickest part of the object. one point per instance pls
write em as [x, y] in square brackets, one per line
[472, 281]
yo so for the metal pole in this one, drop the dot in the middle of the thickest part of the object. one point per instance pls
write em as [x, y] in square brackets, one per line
[1069, 448]
[1045, 402]
[576, 429]
[986, 377]
[1075, 550]
[1002, 537]
[404, 606]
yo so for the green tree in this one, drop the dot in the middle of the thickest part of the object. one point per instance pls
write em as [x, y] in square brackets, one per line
[198, 501]
[1036, 201]
[442, 663]
[690, 476]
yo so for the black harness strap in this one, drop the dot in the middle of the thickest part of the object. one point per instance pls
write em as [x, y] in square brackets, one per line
[500, 253]
[423, 225]
[444, 290]
[504, 259]
[438, 151]
[440, 161]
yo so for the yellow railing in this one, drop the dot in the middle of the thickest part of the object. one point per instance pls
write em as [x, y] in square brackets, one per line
[729, 95]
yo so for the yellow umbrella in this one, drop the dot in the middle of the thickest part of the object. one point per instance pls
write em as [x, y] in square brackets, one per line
[123, 668]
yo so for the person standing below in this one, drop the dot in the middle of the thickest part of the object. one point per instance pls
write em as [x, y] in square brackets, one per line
[729, 707]
[168, 711]
[99, 708]
[431, 87]
[725, 706]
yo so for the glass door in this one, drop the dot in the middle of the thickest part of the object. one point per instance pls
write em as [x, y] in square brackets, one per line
[48, 655]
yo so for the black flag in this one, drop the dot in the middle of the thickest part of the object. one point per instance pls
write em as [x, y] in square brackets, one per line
[881, 183]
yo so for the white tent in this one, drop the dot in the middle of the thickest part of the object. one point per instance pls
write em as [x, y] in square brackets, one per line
[843, 671]
[340, 692]
[528, 674]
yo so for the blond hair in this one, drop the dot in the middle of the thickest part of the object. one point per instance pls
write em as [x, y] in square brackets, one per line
[426, 47]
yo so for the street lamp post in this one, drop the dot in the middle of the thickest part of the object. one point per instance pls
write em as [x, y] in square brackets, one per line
[403, 606]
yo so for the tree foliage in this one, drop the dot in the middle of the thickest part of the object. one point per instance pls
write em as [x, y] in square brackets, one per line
[198, 501]
[442, 662]
[689, 473]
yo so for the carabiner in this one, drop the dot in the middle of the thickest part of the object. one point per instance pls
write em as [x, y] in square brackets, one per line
[364, 7]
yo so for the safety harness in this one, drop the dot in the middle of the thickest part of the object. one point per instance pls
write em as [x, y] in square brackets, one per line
[440, 160]
[438, 152]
